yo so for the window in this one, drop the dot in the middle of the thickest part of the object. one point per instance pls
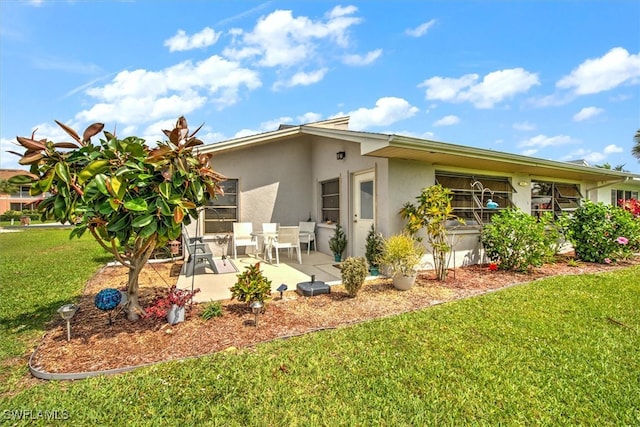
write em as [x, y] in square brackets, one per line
[221, 212]
[330, 192]
[471, 194]
[624, 195]
[554, 197]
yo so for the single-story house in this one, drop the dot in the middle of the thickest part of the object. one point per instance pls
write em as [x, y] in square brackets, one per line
[326, 173]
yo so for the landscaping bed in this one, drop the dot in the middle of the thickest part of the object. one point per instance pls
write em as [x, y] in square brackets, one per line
[95, 345]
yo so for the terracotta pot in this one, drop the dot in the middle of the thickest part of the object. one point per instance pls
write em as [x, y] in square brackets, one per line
[403, 283]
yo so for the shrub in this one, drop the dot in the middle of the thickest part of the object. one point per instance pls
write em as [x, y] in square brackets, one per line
[211, 310]
[603, 233]
[338, 242]
[374, 247]
[251, 285]
[518, 241]
[354, 271]
[401, 254]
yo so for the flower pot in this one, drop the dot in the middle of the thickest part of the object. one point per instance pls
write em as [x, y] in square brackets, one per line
[403, 283]
[337, 257]
[175, 314]
[374, 271]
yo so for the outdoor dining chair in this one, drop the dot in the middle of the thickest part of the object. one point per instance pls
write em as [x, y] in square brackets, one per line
[308, 234]
[242, 237]
[288, 238]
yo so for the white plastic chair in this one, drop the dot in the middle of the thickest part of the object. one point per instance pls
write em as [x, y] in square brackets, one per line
[308, 234]
[242, 237]
[269, 227]
[288, 238]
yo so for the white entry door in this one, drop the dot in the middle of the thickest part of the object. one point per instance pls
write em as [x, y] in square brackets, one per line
[364, 208]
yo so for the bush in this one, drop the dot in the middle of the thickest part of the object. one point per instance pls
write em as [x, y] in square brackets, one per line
[211, 310]
[518, 241]
[251, 285]
[354, 271]
[401, 254]
[603, 233]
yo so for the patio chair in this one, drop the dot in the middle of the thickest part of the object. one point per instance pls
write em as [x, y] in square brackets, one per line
[242, 236]
[288, 238]
[308, 234]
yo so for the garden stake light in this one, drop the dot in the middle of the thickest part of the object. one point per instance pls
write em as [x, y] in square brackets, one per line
[67, 311]
[256, 308]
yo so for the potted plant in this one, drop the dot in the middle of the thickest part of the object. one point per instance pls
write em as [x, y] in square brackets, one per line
[251, 285]
[172, 305]
[338, 243]
[401, 255]
[354, 272]
[373, 249]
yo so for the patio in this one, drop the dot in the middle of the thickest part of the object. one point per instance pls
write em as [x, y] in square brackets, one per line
[216, 286]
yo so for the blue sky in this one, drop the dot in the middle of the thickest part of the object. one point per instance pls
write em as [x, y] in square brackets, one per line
[557, 80]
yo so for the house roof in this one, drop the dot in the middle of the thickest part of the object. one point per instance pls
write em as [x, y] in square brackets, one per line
[10, 173]
[443, 154]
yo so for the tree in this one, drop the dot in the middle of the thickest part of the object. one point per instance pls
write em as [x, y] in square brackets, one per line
[132, 199]
[432, 212]
[609, 167]
[635, 151]
[7, 187]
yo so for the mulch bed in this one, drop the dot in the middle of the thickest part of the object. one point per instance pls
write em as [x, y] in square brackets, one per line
[95, 345]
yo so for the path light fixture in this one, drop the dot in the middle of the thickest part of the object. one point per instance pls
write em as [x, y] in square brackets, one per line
[67, 311]
[256, 309]
[281, 289]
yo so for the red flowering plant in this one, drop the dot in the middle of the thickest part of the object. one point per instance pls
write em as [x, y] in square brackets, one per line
[631, 205]
[493, 266]
[162, 302]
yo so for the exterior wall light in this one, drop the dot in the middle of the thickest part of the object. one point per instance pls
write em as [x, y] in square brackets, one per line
[340, 155]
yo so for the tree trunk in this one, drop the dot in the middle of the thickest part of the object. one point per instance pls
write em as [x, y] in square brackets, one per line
[133, 308]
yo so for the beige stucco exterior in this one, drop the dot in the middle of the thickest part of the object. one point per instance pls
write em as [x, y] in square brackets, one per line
[280, 174]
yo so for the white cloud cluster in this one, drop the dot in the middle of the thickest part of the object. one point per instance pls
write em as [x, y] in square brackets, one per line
[495, 87]
[534, 144]
[181, 41]
[586, 113]
[613, 69]
[524, 126]
[142, 95]
[421, 29]
[594, 157]
[359, 60]
[447, 121]
[387, 110]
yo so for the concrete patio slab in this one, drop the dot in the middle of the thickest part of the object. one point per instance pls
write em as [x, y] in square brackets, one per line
[215, 287]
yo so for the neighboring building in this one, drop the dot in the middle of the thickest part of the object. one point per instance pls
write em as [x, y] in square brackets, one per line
[324, 172]
[20, 200]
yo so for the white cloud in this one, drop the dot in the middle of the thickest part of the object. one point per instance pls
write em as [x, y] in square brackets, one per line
[542, 141]
[366, 59]
[447, 121]
[302, 79]
[529, 152]
[274, 124]
[612, 149]
[181, 41]
[588, 155]
[586, 113]
[388, 110]
[494, 87]
[600, 74]
[524, 126]
[144, 96]
[309, 117]
[280, 39]
[421, 29]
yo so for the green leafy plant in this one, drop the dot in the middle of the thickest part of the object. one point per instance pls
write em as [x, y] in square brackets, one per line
[211, 310]
[603, 233]
[401, 254]
[338, 242]
[433, 212]
[373, 247]
[131, 198]
[518, 241]
[251, 285]
[354, 272]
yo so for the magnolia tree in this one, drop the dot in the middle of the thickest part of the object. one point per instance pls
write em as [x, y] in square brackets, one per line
[131, 198]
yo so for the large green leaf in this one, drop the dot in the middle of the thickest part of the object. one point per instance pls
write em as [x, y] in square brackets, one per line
[97, 166]
[142, 220]
[138, 205]
[119, 223]
[165, 189]
[101, 183]
[62, 170]
[149, 229]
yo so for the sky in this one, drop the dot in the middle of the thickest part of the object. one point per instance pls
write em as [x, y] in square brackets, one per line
[556, 80]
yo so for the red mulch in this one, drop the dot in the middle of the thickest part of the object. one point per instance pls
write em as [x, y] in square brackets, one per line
[95, 345]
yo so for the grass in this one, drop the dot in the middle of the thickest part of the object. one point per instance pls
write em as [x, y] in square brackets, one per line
[561, 351]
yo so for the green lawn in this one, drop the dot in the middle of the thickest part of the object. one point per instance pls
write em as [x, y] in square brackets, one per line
[563, 351]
